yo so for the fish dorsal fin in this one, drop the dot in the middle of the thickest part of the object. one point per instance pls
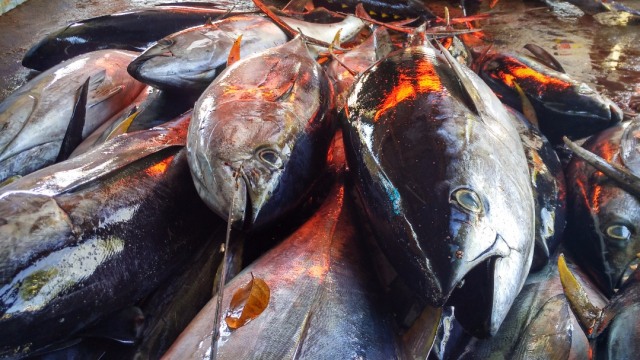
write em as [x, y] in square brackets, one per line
[545, 57]
[625, 179]
[73, 135]
[630, 147]
[296, 6]
[209, 22]
[527, 107]
[123, 126]
[234, 53]
[586, 312]
[549, 334]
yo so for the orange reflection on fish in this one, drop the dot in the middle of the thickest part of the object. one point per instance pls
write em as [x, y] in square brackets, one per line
[520, 72]
[425, 80]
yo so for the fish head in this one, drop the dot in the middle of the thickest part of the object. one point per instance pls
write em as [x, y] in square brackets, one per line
[187, 60]
[564, 106]
[445, 184]
[604, 233]
[249, 159]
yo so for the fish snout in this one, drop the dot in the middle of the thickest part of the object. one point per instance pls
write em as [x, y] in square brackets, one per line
[617, 115]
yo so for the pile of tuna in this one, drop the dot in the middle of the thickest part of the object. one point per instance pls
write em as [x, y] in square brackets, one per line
[399, 190]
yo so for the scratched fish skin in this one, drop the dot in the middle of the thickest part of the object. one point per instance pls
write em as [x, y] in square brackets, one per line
[563, 105]
[190, 59]
[425, 165]
[549, 189]
[35, 118]
[603, 217]
[324, 302]
[133, 30]
[88, 236]
[540, 324]
[261, 130]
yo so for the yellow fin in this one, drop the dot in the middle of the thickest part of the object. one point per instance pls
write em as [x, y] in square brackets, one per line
[527, 107]
[122, 127]
[586, 313]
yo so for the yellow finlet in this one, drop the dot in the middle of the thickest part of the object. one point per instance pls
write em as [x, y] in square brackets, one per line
[234, 54]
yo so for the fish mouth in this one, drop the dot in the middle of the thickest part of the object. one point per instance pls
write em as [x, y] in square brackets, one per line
[628, 271]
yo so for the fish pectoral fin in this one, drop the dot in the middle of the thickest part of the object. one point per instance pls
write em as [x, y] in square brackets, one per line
[544, 57]
[418, 340]
[73, 135]
[125, 326]
[527, 107]
[234, 53]
[586, 312]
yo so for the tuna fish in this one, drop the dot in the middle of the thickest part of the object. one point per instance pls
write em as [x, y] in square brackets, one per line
[130, 30]
[87, 237]
[45, 119]
[564, 106]
[426, 140]
[260, 132]
[190, 59]
[603, 233]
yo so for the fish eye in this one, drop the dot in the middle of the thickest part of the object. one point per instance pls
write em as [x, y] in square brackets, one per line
[270, 157]
[468, 200]
[165, 42]
[618, 232]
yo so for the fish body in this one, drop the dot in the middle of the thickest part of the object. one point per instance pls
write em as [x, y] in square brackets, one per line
[425, 139]
[377, 46]
[324, 302]
[603, 218]
[87, 237]
[133, 30]
[36, 118]
[564, 106]
[260, 133]
[549, 190]
[540, 324]
[382, 10]
[189, 60]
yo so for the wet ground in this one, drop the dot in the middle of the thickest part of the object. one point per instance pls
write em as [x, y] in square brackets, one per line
[600, 50]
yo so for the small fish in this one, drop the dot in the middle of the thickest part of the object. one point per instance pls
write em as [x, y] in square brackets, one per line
[190, 59]
[563, 105]
[425, 138]
[133, 30]
[89, 236]
[324, 300]
[602, 226]
[45, 119]
[261, 131]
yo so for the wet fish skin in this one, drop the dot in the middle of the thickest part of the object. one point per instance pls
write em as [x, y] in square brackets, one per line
[324, 304]
[261, 130]
[549, 189]
[563, 105]
[190, 59]
[415, 145]
[383, 10]
[598, 204]
[35, 118]
[76, 246]
[540, 324]
[129, 30]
